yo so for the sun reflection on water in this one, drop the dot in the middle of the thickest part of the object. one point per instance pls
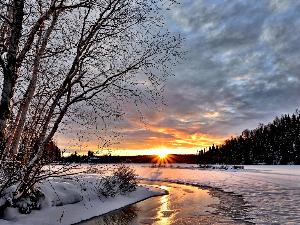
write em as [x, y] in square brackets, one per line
[165, 214]
[164, 187]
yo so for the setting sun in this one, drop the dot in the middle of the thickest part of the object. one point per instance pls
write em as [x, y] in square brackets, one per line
[163, 155]
[161, 152]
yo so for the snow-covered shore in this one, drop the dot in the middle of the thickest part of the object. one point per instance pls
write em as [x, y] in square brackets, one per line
[74, 213]
[271, 192]
[69, 201]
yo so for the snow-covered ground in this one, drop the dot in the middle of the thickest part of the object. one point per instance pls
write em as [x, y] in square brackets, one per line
[69, 201]
[273, 192]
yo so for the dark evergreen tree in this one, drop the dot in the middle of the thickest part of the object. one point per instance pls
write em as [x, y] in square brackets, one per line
[275, 143]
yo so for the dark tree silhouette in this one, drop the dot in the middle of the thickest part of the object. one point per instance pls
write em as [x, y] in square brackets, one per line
[275, 143]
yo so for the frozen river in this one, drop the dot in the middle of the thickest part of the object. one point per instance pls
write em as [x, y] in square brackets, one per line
[272, 192]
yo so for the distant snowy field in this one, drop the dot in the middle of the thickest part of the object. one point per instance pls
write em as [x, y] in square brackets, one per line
[272, 191]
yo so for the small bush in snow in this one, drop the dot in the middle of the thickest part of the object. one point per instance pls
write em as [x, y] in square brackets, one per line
[31, 202]
[123, 180]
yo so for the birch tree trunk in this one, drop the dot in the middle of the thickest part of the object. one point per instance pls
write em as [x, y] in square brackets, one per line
[31, 87]
[10, 67]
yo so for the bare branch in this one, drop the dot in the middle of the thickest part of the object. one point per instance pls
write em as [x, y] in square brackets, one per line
[67, 54]
[8, 21]
[3, 64]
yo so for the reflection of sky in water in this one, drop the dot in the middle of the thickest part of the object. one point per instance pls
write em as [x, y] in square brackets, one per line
[164, 207]
[182, 201]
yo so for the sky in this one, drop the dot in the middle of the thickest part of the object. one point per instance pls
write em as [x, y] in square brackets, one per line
[241, 69]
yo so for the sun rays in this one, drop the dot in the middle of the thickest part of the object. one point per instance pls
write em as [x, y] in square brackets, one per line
[162, 153]
[162, 156]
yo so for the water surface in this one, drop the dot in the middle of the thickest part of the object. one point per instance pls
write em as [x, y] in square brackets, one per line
[182, 201]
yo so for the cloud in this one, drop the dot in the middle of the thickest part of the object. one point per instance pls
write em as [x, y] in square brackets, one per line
[241, 54]
[241, 68]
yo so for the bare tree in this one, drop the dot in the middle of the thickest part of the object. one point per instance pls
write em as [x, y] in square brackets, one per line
[57, 55]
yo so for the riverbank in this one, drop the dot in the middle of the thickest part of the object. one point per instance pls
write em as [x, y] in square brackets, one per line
[185, 204]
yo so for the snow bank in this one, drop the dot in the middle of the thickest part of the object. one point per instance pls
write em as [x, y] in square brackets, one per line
[69, 201]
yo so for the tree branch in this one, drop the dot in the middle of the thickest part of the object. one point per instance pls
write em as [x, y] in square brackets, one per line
[3, 65]
[39, 23]
[6, 19]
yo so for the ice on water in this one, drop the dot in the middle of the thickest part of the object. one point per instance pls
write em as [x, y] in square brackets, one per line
[273, 192]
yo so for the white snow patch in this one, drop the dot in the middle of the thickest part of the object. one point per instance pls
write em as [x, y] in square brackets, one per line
[68, 201]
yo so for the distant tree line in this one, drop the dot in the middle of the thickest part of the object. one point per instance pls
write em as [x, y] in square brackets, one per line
[272, 144]
[90, 158]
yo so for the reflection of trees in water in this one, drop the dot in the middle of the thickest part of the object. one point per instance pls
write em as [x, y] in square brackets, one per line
[126, 215]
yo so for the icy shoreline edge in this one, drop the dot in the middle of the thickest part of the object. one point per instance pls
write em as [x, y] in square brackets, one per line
[75, 213]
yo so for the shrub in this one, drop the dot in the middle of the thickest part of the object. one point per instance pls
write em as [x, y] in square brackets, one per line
[123, 180]
[31, 202]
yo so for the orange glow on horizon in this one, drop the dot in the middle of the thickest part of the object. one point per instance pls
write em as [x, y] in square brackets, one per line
[163, 159]
[161, 141]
